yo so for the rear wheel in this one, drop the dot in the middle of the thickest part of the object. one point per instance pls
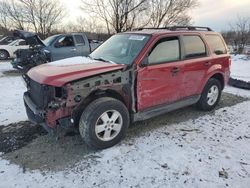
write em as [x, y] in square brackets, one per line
[3, 55]
[104, 123]
[210, 95]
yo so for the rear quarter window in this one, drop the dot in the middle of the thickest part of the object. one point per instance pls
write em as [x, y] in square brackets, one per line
[216, 43]
[194, 47]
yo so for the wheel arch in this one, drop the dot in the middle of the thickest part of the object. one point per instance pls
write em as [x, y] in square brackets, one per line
[5, 51]
[220, 77]
[216, 75]
[96, 95]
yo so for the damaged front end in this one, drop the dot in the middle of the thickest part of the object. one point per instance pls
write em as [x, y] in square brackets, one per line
[51, 106]
[35, 55]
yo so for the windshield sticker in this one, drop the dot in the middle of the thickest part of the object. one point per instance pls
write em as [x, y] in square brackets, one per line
[136, 37]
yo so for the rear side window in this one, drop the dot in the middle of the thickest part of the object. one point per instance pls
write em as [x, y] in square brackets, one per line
[165, 50]
[216, 44]
[79, 39]
[194, 47]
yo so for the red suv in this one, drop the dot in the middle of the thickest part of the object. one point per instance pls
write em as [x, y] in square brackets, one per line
[131, 77]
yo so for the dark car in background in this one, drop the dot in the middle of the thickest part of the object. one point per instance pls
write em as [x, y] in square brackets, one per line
[53, 48]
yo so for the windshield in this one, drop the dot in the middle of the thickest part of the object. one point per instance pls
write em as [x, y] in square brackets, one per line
[49, 40]
[121, 49]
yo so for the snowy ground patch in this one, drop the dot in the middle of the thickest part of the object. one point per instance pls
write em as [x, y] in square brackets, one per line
[237, 91]
[11, 95]
[240, 68]
[212, 150]
[4, 67]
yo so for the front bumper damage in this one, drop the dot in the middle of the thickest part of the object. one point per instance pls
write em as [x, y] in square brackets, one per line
[46, 107]
[46, 118]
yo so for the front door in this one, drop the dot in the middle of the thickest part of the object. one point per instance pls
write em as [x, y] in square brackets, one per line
[160, 81]
[63, 48]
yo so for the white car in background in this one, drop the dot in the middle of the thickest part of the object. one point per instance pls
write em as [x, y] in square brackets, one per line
[7, 51]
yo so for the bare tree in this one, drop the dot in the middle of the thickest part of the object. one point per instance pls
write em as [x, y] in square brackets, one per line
[12, 11]
[117, 15]
[43, 15]
[3, 17]
[83, 25]
[240, 32]
[37, 15]
[170, 12]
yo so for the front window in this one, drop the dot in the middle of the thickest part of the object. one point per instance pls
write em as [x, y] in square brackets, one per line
[121, 49]
[165, 50]
[48, 41]
[66, 41]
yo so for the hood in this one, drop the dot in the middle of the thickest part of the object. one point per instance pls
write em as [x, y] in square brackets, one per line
[4, 46]
[32, 39]
[60, 72]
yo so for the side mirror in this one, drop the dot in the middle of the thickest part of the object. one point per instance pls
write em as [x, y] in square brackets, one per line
[144, 62]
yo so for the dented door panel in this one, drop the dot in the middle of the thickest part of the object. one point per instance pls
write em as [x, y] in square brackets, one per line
[158, 84]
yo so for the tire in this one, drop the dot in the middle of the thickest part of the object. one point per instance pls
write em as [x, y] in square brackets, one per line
[210, 95]
[4, 55]
[104, 123]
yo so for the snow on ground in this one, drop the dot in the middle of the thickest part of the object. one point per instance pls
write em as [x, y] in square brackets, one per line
[240, 68]
[188, 154]
[210, 151]
[5, 66]
[11, 95]
[237, 91]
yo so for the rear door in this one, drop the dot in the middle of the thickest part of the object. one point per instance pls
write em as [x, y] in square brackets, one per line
[196, 61]
[82, 47]
[219, 53]
[159, 82]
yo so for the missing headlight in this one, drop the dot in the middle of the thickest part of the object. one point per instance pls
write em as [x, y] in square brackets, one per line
[58, 92]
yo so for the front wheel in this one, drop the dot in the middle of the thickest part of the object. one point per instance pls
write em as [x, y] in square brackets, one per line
[104, 123]
[3, 55]
[210, 95]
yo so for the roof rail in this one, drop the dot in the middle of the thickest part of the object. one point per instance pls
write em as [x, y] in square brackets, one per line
[177, 28]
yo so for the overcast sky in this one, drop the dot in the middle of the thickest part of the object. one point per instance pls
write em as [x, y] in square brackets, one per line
[216, 14]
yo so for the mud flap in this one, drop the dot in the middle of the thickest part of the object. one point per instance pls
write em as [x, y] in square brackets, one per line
[48, 129]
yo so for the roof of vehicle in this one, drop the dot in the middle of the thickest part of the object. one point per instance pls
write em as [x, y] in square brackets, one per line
[171, 30]
[73, 33]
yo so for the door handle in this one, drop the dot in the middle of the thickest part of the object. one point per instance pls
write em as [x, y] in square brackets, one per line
[175, 70]
[207, 63]
[73, 49]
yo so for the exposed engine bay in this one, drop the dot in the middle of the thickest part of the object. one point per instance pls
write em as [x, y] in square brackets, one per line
[35, 55]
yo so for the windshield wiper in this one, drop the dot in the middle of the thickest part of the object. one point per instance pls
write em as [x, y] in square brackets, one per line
[102, 59]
